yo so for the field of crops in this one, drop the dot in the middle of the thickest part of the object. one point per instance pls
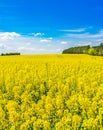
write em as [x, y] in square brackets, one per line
[51, 92]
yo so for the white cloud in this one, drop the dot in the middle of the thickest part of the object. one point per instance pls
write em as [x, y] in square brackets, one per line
[38, 34]
[45, 40]
[63, 42]
[74, 30]
[42, 49]
[99, 40]
[86, 35]
[49, 45]
[12, 34]
[8, 35]
[84, 43]
[28, 43]
[98, 35]
[14, 42]
[24, 48]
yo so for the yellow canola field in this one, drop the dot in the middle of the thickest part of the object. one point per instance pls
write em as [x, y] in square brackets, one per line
[51, 92]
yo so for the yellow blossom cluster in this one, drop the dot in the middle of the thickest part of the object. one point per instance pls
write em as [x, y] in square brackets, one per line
[51, 92]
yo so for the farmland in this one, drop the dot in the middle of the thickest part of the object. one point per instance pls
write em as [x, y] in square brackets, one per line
[51, 92]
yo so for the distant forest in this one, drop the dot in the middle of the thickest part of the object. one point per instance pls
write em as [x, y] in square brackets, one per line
[94, 50]
[10, 54]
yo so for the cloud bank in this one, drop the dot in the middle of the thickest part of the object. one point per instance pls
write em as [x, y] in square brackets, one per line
[40, 43]
[74, 30]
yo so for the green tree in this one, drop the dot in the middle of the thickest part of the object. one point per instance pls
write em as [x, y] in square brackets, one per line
[92, 51]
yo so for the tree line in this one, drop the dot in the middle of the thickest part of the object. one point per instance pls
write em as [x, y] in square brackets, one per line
[94, 50]
[9, 54]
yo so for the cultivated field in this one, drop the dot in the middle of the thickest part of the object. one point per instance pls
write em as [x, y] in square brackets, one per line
[51, 92]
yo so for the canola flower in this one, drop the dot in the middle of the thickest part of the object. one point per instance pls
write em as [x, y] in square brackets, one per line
[51, 92]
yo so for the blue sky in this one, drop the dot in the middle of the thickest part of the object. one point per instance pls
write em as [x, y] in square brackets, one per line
[49, 26]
